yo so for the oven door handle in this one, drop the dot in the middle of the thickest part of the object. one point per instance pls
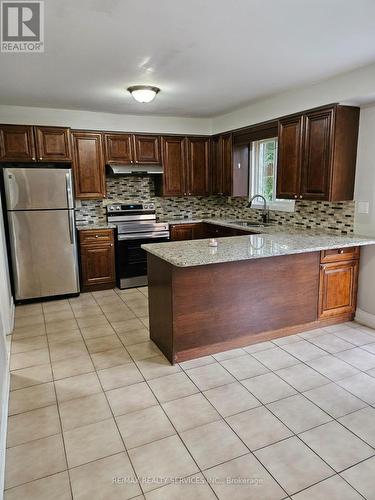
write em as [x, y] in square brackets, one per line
[143, 236]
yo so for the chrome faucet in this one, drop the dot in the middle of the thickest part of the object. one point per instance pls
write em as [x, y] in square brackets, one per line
[266, 212]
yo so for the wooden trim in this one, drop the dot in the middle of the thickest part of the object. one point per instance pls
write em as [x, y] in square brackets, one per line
[261, 337]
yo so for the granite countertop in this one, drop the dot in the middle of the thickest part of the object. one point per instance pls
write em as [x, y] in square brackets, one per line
[269, 241]
[100, 225]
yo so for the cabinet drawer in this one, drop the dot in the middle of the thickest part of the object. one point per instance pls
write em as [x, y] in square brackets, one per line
[93, 237]
[340, 254]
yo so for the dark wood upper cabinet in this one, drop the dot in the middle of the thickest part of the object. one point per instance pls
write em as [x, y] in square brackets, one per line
[317, 154]
[147, 149]
[174, 162]
[289, 157]
[197, 166]
[240, 170]
[316, 159]
[88, 165]
[52, 144]
[23, 143]
[118, 148]
[17, 143]
[221, 164]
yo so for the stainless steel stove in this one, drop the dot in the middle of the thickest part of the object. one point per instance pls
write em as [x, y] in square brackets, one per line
[136, 224]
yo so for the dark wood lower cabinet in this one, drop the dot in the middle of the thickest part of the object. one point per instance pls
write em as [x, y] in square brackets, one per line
[97, 253]
[338, 288]
[200, 230]
[201, 310]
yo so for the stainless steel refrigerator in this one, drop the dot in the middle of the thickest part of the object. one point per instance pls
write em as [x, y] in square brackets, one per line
[42, 235]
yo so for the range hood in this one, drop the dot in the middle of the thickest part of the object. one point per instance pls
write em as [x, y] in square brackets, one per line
[118, 169]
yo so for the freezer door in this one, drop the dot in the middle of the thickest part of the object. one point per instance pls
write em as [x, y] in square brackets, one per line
[44, 253]
[38, 188]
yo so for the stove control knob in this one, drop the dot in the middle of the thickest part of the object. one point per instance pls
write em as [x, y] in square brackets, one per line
[118, 208]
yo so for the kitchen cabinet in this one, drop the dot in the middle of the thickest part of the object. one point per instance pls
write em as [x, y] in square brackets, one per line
[24, 143]
[131, 149]
[221, 164]
[201, 230]
[317, 154]
[186, 166]
[289, 157]
[182, 232]
[88, 165]
[97, 258]
[196, 179]
[338, 282]
[174, 162]
[53, 144]
[118, 148]
[147, 149]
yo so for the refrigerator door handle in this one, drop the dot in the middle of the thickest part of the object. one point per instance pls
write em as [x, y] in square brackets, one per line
[71, 226]
[69, 190]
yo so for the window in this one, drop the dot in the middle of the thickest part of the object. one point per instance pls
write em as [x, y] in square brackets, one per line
[262, 178]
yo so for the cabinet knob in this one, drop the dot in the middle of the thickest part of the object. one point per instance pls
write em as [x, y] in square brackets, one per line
[295, 196]
[33, 158]
[341, 251]
[111, 245]
[189, 194]
[300, 196]
[40, 158]
[96, 236]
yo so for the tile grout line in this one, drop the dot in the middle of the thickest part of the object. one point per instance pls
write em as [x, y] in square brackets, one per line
[235, 380]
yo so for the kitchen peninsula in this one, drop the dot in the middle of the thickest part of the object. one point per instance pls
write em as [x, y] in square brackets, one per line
[249, 289]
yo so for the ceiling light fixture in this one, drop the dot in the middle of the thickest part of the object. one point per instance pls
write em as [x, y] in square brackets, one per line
[143, 93]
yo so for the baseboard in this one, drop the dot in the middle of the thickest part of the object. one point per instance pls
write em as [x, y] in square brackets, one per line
[365, 318]
[4, 423]
[5, 400]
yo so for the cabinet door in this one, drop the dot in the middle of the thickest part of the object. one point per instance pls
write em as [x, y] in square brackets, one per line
[289, 157]
[317, 150]
[52, 144]
[88, 165]
[181, 232]
[227, 165]
[216, 165]
[173, 154]
[197, 157]
[338, 288]
[17, 143]
[97, 265]
[118, 148]
[147, 149]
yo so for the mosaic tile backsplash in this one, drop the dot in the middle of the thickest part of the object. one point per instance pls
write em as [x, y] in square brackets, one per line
[338, 217]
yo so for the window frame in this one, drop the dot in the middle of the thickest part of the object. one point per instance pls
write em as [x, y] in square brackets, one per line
[254, 185]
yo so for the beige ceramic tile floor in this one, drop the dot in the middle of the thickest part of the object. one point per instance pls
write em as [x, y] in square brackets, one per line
[94, 405]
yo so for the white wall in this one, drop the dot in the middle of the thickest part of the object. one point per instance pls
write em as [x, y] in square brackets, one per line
[104, 121]
[6, 326]
[349, 88]
[365, 223]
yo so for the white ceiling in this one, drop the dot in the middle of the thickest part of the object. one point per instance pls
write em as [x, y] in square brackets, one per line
[207, 56]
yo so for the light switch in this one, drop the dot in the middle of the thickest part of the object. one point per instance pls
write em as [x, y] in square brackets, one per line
[363, 207]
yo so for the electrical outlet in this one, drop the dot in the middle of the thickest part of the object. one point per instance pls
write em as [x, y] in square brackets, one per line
[363, 207]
